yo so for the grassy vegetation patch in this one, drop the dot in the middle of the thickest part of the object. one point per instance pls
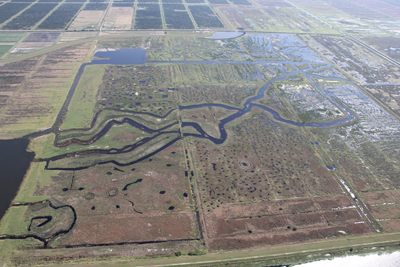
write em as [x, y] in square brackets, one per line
[81, 109]
[4, 49]
[86, 159]
[11, 36]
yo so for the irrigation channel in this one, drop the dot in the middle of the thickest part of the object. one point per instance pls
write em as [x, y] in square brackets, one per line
[135, 56]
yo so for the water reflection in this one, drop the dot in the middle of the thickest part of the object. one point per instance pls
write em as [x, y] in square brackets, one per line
[371, 260]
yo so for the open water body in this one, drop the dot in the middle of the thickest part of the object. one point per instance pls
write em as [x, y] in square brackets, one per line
[371, 260]
[14, 161]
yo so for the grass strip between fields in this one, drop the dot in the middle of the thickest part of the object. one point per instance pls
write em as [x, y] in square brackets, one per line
[81, 109]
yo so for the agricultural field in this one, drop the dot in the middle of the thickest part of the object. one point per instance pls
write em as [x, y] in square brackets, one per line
[29, 17]
[154, 139]
[119, 18]
[272, 16]
[369, 18]
[205, 17]
[60, 18]
[33, 89]
[176, 16]
[10, 9]
[148, 16]
[87, 20]
[11, 37]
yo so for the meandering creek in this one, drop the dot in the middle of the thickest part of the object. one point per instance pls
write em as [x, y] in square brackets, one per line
[14, 160]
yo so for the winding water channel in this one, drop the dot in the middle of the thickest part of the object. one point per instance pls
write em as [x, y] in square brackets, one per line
[138, 56]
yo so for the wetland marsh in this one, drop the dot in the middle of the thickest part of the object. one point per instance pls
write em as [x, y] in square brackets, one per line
[166, 143]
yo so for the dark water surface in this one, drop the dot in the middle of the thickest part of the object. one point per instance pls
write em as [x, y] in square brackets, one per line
[14, 161]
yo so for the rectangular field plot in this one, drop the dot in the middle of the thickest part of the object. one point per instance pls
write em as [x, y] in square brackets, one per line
[282, 19]
[148, 16]
[176, 17]
[96, 6]
[134, 87]
[42, 37]
[60, 18]
[240, 2]
[42, 95]
[87, 19]
[119, 18]
[122, 4]
[4, 49]
[205, 17]
[29, 17]
[144, 202]
[11, 37]
[10, 9]
[218, 2]
[27, 47]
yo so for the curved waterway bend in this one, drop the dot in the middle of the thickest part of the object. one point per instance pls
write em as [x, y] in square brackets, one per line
[248, 105]
[138, 56]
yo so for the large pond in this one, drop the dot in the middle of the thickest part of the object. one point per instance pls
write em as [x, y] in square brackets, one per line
[124, 56]
[14, 161]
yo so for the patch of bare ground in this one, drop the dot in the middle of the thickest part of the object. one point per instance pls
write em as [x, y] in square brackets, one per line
[119, 18]
[289, 237]
[87, 19]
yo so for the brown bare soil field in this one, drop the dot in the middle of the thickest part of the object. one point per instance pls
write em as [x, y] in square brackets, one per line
[251, 240]
[128, 251]
[381, 197]
[42, 37]
[119, 18]
[87, 19]
[145, 202]
[26, 47]
[266, 183]
[39, 86]
[118, 229]
[34, 44]
[234, 17]
[391, 225]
